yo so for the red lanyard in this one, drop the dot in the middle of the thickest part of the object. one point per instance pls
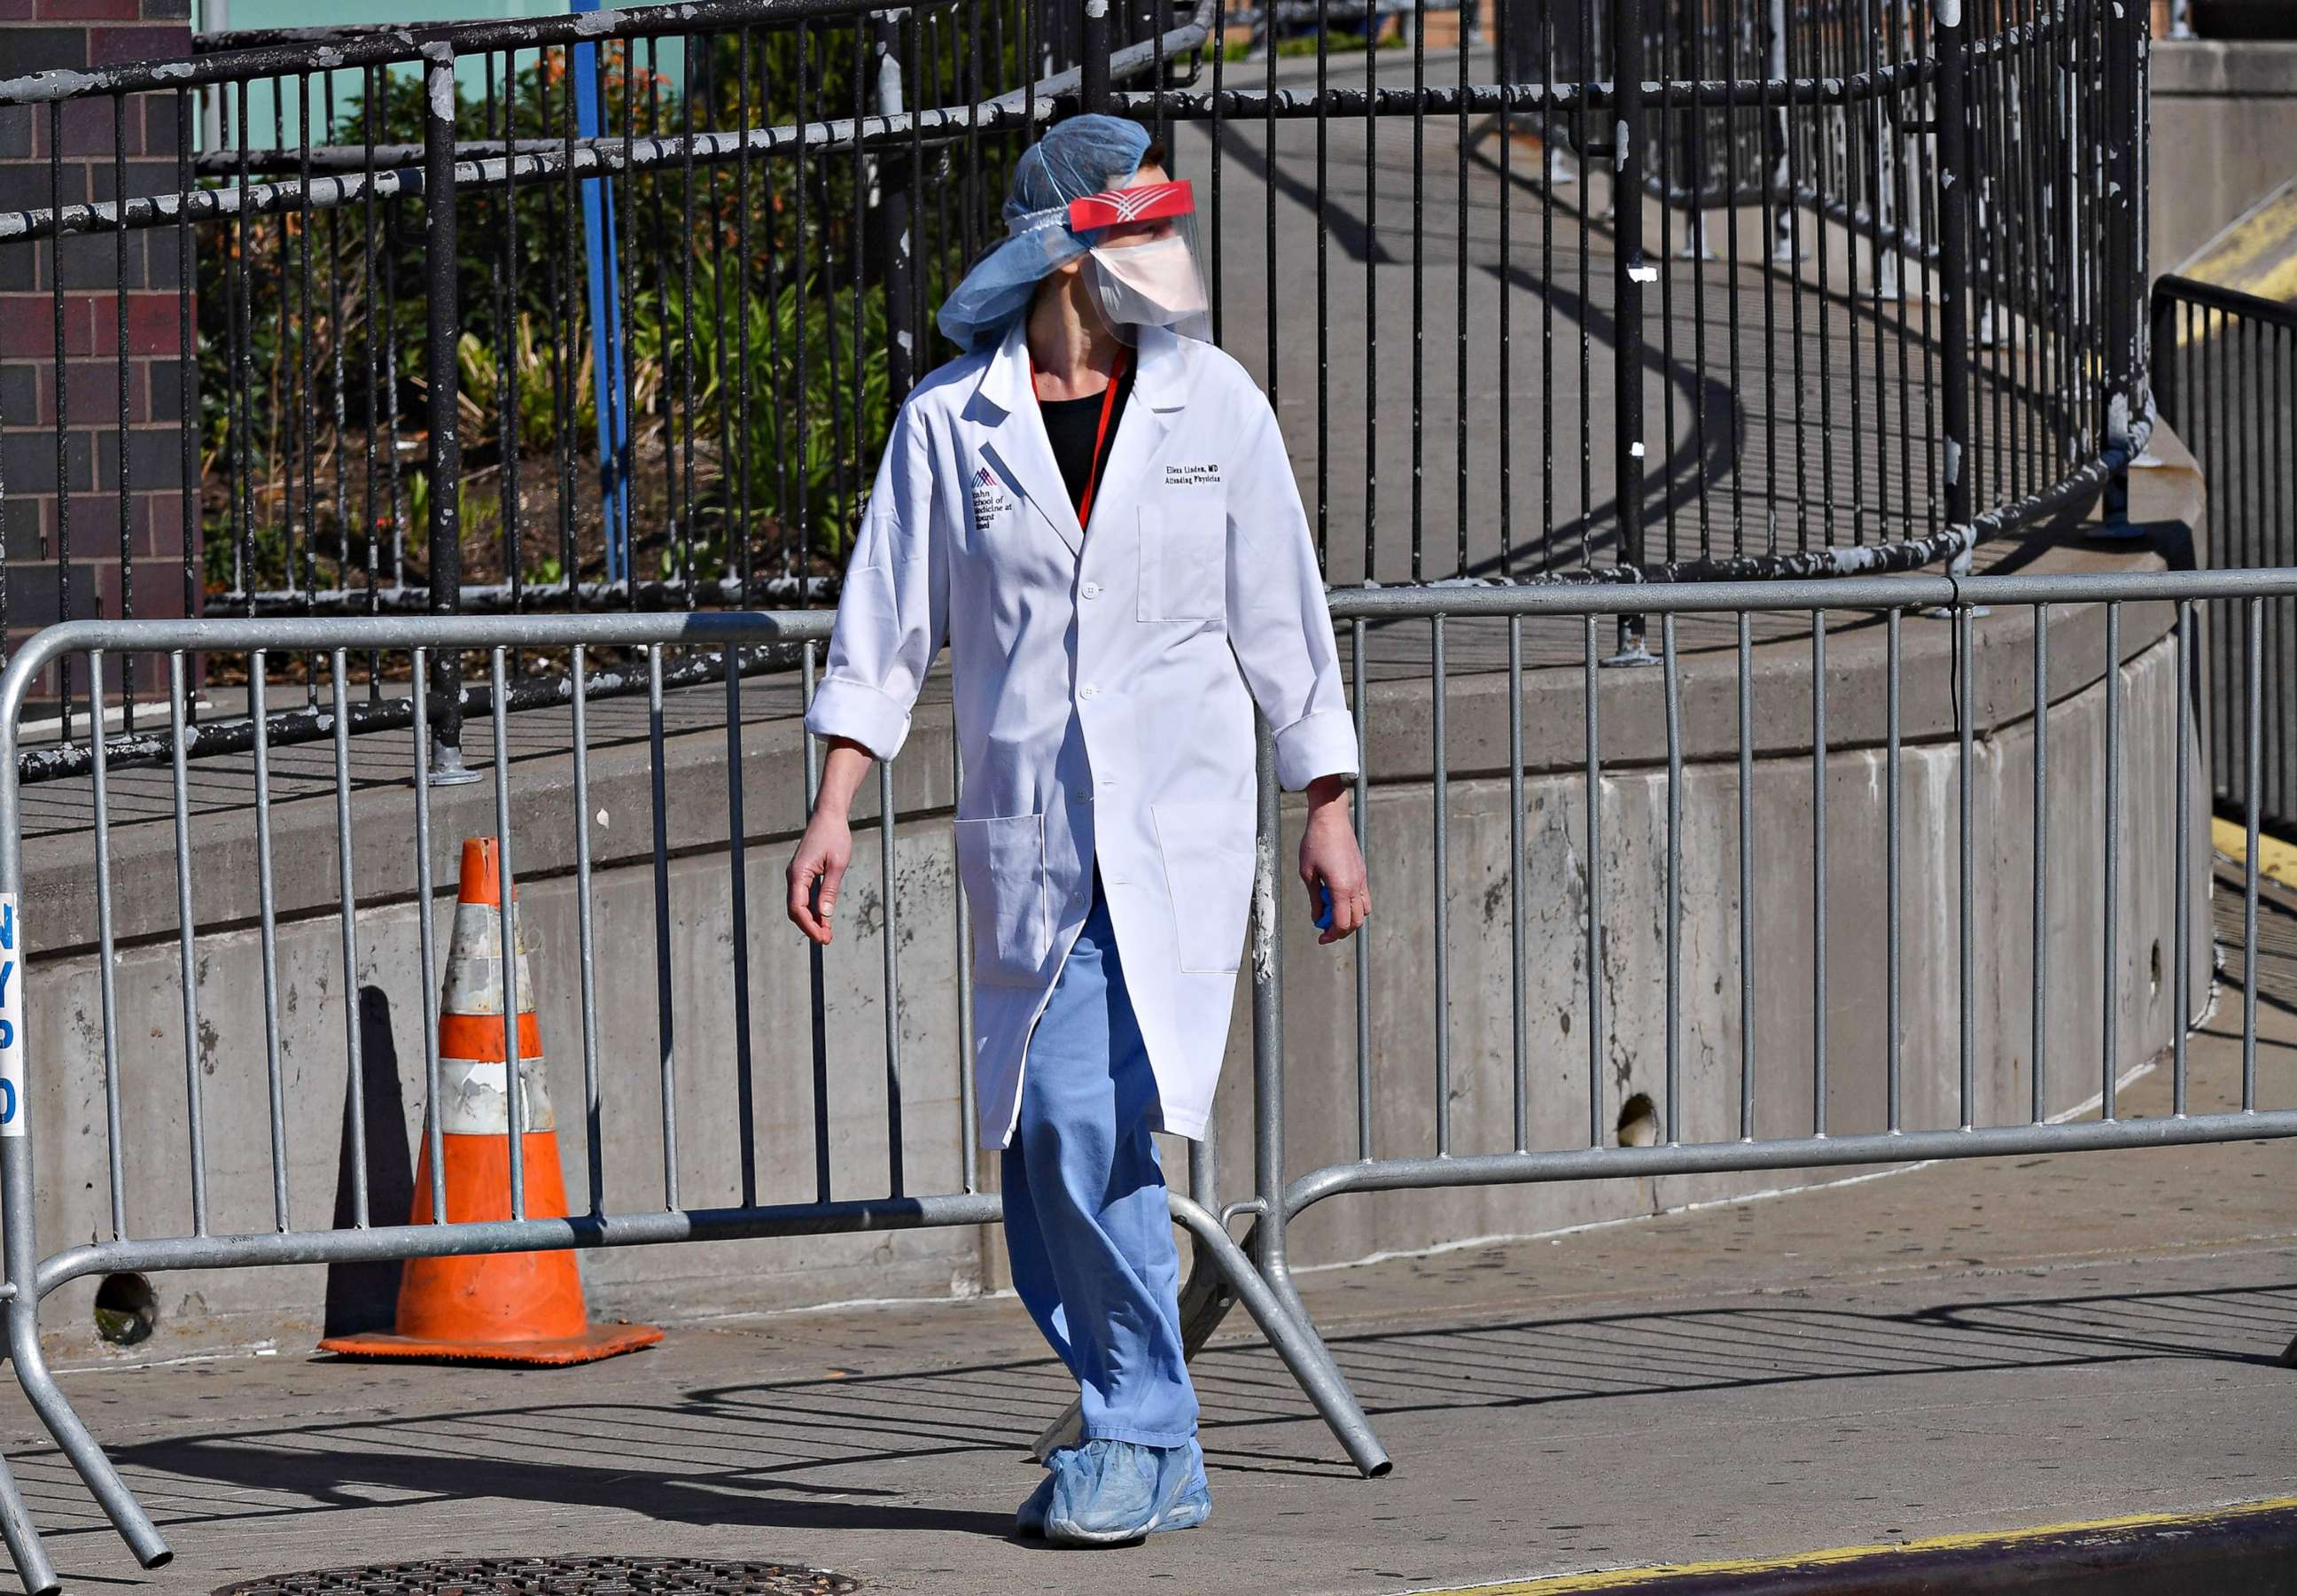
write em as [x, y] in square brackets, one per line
[1100, 433]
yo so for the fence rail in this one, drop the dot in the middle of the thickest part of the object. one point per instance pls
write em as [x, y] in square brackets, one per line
[2226, 376]
[614, 311]
[2086, 690]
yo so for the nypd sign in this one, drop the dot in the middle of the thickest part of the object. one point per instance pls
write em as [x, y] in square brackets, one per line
[11, 1021]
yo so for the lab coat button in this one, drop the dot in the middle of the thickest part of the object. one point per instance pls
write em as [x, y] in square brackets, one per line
[1092, 589]
[1087, 691]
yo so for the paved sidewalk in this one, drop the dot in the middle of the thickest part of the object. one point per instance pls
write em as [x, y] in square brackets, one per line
[1987, 1345]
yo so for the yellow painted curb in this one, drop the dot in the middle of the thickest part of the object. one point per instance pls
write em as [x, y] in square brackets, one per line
[1614, 1579]
[2276, 859]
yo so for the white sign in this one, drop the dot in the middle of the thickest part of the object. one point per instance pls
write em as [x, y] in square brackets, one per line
[11, 1021]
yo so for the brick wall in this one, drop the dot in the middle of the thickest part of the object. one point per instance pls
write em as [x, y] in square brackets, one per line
[119, 328]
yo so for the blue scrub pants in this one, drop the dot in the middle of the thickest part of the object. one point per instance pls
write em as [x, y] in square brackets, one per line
[1086, 1223]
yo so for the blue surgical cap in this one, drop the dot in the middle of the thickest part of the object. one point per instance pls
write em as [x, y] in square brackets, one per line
[1079, 157]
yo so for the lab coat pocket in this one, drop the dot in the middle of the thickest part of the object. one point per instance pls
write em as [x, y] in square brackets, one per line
[1208, 848]
[1184, 556]
[1002, 864]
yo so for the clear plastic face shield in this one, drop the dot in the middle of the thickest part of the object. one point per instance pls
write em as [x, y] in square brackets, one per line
[1143, 265]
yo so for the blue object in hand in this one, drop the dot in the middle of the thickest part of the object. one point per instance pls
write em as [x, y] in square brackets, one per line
[1324, 915]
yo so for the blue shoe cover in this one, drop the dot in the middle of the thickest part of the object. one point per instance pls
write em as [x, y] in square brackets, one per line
[1108, 1492]
[1029, 1518]
[1195, 1504]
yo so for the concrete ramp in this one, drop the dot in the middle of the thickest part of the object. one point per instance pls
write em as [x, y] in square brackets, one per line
[2256, 253]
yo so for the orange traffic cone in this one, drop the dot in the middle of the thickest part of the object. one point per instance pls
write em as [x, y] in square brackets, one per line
[496, 1307]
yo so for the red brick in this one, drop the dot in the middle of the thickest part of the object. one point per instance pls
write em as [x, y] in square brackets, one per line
[94, 396]
[88, 128]
[95, 527]
[107, 604]
[159, 594]
[90, 131]
[19, 337]
[90, 11]
[31, 526]
[47, 49]
[159, 515]
[25, 381]
[151, 323]
[16, 11]
[27, 328]
[156, 41]
[153, 518]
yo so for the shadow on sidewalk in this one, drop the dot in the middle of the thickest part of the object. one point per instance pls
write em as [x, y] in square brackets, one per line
[814, 1453]
[1593, 1358]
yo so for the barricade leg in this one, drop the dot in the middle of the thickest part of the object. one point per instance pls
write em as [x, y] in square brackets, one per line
[1291, 1335]
[1205, 1299]
[1276, 1271]
[40, 1388]
[24, 1547]
[56, 1410]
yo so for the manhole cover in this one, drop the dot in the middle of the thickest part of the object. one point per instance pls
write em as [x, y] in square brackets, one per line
[555, 1576]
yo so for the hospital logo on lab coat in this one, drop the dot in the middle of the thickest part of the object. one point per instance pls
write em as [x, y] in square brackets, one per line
[989, 500]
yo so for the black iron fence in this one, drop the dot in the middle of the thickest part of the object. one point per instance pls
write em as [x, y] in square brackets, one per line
[614, 311]
[693, 276]
[2226, 378]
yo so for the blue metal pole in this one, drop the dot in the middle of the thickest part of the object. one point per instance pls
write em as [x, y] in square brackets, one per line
[598, 253]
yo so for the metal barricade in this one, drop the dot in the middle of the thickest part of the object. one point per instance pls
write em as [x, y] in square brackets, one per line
[637, 644]
[2048, 642]
[2042, 711]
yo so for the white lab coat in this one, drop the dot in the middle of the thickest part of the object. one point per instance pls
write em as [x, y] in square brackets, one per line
[1104, 684]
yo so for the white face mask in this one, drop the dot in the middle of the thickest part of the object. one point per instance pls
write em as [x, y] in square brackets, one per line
[1152, 284]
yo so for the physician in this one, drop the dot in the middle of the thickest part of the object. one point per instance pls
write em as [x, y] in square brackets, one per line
[1092, 508]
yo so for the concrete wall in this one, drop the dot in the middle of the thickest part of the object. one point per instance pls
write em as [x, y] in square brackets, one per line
[684, 1283]
[2225, 136]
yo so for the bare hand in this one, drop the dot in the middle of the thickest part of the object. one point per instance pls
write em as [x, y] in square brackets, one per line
[822, 855]
[826, 848]
[1330, 857]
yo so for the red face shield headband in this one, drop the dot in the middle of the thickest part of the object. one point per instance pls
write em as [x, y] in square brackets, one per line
[1129, 207]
